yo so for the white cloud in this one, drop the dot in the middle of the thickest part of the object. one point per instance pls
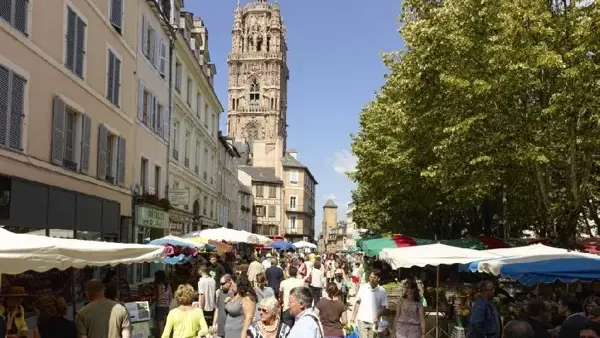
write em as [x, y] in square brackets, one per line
[344, 162]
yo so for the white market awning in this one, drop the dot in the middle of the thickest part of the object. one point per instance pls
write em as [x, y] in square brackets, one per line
[23, 252]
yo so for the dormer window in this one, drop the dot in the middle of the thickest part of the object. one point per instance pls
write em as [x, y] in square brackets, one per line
[254, 93]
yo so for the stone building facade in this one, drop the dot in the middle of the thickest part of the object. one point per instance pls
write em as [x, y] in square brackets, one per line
[194, 157]
[257, 114]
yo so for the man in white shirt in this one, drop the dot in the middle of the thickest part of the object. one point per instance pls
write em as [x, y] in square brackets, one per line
[207, 290]
[371, 301]
[287, 285]
[267, 262]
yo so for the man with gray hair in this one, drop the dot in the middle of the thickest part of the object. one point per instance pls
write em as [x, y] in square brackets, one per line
[484, 321]
[518, 329]
[274, 275]
[307, 324]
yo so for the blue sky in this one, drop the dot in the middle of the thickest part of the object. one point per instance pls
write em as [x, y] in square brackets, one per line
[335, 69]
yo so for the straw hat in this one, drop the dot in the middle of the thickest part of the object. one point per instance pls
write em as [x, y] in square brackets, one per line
[15, 292]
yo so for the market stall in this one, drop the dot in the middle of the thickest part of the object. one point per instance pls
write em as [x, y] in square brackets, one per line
[432, 255]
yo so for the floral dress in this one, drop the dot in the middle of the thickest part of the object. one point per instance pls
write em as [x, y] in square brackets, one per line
[408, 324]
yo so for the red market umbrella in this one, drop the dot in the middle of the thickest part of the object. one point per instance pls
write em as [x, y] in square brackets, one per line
[403, 241]
[492, 243]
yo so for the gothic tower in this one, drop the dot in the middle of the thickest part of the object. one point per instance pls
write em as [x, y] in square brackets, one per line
[258, 77]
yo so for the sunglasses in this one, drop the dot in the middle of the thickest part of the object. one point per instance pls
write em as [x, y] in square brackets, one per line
[263, 310]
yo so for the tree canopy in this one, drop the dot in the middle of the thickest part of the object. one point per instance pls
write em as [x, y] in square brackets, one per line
[487, 122]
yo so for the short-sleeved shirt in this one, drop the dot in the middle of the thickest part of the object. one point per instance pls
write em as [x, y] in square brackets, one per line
[222, 316]
[287, 286]
[330, 312]
[102, 319]
[216, 271]
[254, 269]
[371, 301]
[208, 288]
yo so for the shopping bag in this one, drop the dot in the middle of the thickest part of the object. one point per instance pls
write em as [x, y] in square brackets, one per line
[353, 334]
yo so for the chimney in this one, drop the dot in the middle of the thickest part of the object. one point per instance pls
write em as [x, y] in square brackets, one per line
[293, 153]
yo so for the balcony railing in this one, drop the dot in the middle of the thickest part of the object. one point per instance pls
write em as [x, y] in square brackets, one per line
[297, 231]
[186, 162]
[176, 154]
[196, 170]
[299, 208]
[265, 230]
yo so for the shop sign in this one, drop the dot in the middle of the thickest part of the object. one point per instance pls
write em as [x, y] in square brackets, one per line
[151, 218]
[176, 229]
[179, 196]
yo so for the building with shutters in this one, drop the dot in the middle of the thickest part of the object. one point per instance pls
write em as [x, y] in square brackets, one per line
[151, 129]
[195, 111]
[299, 198]
[228, 185]
[67, 115]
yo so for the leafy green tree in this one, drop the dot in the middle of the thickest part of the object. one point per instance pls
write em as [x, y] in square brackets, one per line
[487, 123]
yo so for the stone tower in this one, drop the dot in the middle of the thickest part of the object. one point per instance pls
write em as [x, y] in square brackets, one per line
[258, 76]
[330, 214]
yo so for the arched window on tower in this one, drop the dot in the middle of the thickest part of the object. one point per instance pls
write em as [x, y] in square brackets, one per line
[259, 42]
[254, 93]
[268, 43]
[250, 44]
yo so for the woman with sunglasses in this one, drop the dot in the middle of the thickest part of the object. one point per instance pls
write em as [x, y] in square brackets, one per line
[269, 325]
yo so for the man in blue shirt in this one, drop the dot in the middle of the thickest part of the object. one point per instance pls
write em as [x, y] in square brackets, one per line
[484, 321]
[274, 275]
[307, 323]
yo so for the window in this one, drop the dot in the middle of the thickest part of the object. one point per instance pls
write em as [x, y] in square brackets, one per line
[206, 115]
[178, 76]
[272, 211]
[16, 13]
[294, 177]
[12, 103]
[190, 87]
[113, 85]
[292, 202]
[149, 45]
[157, 184]
[111, 157]
[144, 176]
[272, 191]
[198, 105]
[75, 43]
[158, 120]
[176, 140]
[292, 224]
[71, 132]
[186, 149]
[147, 102]
[162, 66]
[197, 158]
[254, 93]
[259, 191]
[204, 205]
[212, 208]
[259, 210]
[205, 175]
[116, 15]
[70, 125]
[215, 124]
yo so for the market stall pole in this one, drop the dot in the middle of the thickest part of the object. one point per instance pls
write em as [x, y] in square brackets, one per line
[432, 255]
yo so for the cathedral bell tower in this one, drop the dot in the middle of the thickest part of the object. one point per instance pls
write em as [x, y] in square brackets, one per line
[258, 77]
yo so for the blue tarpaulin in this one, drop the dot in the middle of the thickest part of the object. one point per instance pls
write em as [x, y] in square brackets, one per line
[281, 245]
[566, 268]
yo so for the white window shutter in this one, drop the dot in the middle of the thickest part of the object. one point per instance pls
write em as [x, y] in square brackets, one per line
[166, 124]
[121, 156]
[141, 100]
[144, 35]
[58, 131]
[157, 44]
[86, 132]
[163, 57]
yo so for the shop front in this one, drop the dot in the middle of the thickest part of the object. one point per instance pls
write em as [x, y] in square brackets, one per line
[180, 222]
[33, 207]
[151, 223]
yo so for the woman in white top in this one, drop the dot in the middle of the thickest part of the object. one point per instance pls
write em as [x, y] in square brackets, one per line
[316, 281]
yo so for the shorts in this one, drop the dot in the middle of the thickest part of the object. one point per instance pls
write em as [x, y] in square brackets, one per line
[160, 313]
